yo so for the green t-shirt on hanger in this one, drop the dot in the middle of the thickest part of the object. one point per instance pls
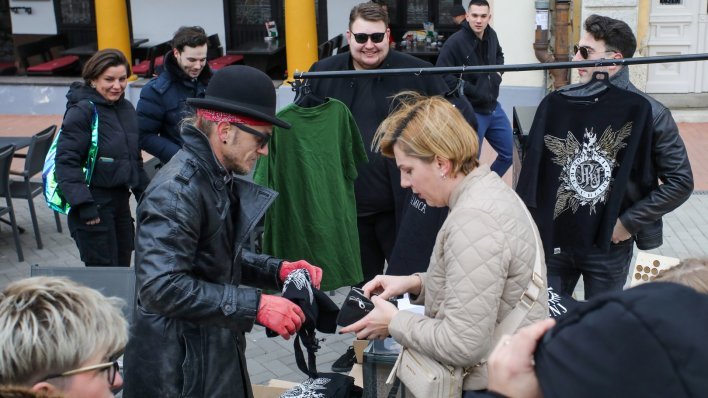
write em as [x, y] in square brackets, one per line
[313, 166]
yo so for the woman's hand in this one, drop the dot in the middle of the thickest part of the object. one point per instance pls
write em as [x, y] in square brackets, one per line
[95, 221]
[374, 325]
[387, 286]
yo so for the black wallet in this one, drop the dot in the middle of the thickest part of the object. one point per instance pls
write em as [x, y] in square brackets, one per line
[356, 306]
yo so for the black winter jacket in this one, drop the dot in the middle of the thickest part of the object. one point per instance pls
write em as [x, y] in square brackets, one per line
[118, 163]
[163, 105]
[192, 310]
[464, 48]
[344, 89]
[648, 200]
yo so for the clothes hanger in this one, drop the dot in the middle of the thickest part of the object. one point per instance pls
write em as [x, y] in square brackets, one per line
[599, 83]
[304, 97]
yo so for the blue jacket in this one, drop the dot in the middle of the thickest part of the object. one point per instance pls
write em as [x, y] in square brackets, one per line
[163, 105]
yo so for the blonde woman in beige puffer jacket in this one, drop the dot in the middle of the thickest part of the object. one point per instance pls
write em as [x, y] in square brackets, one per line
[484, 254]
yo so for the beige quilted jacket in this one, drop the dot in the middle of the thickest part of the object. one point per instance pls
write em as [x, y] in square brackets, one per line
[481, 264]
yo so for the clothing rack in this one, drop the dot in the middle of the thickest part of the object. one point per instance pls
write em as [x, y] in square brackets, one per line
[456, 70]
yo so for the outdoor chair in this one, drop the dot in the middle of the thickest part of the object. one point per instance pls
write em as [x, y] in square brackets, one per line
[5, 161]
[151, 66]
[34, 163]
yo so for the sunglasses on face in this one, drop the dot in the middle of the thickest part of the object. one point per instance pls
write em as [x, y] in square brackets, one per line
[111, 368]
[263, 138]
[362, 38]
[586, 51]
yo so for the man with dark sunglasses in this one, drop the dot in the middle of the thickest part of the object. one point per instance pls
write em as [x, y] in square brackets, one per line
[646, 200]
[198, 289]
[394, 225]
[475, 44]
[60, 338]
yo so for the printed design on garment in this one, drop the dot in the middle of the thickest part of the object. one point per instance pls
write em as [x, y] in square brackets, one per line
[418, 203]
[301, 279]
[308, 388]
[586, 177]
[555, 307]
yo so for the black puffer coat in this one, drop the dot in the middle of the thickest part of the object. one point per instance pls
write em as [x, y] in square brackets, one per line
[187, 338]
[163, 105]
[119, 163]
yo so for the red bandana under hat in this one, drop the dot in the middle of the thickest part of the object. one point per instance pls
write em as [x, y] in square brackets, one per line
[216, 116]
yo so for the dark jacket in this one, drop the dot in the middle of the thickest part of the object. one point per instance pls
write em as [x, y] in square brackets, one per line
[649, 200]
[378, 185]
[464, 48]
[648, 341]
[192, 310]
[162, 106]
[118, 162]
[344, 89]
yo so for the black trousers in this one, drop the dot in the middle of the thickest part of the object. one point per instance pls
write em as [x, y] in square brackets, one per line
[110, 242]
[377, 235]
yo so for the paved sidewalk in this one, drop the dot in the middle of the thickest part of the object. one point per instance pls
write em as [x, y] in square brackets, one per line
[685, 235]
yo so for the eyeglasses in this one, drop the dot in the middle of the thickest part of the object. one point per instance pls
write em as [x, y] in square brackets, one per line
[586, 51]
[264, 138]
[111, 367]
[362, 38]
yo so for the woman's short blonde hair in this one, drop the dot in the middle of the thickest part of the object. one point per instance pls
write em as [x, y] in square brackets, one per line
[692, 272]
[50, 325]
[426, 127]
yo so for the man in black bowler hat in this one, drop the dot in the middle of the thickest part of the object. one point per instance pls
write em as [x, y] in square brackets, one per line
[187, 338]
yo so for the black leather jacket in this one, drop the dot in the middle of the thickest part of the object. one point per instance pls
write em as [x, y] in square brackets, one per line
[192, 310]
[648, 199]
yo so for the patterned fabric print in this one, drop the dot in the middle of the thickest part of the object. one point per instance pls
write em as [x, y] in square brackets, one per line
[310, 388]
[586, 177]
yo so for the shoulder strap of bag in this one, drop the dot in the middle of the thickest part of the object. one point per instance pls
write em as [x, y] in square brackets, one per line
[535, 288]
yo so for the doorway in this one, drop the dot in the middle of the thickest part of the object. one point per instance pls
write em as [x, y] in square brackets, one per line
[678, 27]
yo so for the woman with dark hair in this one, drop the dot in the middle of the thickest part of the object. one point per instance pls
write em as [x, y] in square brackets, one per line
[99, 220]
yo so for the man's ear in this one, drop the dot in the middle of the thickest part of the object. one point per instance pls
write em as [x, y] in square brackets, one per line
[349, 37]
[222, 130]
[175, 52]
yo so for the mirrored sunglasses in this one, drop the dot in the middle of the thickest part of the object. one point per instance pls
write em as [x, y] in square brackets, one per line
[362, 38]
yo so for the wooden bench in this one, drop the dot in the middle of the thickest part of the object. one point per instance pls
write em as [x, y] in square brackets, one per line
[50, 66]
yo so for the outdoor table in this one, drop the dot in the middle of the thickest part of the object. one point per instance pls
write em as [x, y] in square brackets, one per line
[421, 51]
[85, 51]
[260, 54]
[19, 142]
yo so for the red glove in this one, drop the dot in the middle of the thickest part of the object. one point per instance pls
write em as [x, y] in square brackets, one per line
[315, 272]
[280, 315]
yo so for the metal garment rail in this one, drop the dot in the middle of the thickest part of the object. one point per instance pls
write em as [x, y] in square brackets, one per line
[455, 70]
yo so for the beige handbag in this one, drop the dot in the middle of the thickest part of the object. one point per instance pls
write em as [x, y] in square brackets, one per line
[426, 377]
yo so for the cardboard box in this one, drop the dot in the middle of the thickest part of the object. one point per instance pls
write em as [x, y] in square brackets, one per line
[274, 389]
[357, 373]
[359, 346]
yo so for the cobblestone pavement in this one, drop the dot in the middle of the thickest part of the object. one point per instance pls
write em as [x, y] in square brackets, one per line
[685, 235]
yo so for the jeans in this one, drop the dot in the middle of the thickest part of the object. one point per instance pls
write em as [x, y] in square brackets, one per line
[496, 128]
[602, 272]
